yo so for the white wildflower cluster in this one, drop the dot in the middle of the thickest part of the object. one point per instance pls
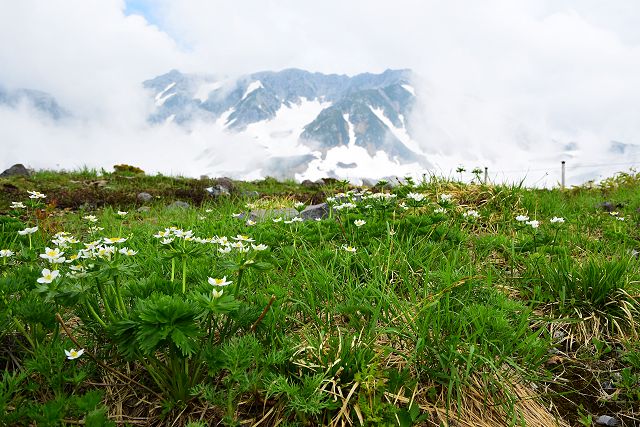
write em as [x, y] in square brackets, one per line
[240, 243]
[17, 205]
[27, 231]
[294, 220]
[36, 195]
[471, 214]
[534, 223]
[6, 253]
[416, 197]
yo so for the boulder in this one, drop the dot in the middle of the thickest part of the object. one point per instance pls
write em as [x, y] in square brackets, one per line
[260, 215]
[144, 209]
[16, 170]
[218, 190]
[605, 420]
[319, 211]
[144, 197]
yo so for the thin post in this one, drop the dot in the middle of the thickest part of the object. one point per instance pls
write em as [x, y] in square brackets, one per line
[486, 175]
[563, 175]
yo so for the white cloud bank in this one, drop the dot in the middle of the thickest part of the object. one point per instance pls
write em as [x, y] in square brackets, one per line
[505, 84]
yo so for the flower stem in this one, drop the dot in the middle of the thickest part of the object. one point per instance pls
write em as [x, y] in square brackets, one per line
[184, 275]
[173, 268]
[96, 316]
[107, 306]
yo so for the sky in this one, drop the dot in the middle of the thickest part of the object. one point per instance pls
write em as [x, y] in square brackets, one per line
[503, 83]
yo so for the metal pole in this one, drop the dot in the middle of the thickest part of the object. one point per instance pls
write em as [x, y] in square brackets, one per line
[486, 175]
[563, 174]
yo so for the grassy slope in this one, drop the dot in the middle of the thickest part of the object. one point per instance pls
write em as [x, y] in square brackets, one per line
[435, 316]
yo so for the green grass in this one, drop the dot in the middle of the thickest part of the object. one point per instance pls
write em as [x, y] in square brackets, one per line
[437, 318]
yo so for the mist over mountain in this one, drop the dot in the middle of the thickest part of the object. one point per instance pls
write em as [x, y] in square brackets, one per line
[309, 125]
[39, 101]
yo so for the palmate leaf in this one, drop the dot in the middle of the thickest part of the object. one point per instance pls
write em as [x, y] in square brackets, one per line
[165, 320]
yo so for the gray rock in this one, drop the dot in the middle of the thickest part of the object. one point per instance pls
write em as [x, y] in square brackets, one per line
[609, 206]
[308, 184]
[144, 197]
[144, 209]
[320, 211]
[178, 205]
[607, 386]
[15, 170]
[218, 190]
[320, 181]
[605, 420]
[225, 182]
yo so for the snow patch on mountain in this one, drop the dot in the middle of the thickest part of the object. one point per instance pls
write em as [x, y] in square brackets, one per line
[400, 133]
[255, 85]
[409, 89]
[203, 91]
[279, 135]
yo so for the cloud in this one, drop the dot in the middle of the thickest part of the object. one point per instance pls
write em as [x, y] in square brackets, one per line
[502, 83]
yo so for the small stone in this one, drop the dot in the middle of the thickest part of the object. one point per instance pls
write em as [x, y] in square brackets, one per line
[559, 335]
[307, 183]
[606, 420]
[144, 209]
[367, 183]
[320, 181]
[16, 170]
[320, 211]
[144, 197]
[218, 190]
[178, 205]
[607, 386]
[260, 215]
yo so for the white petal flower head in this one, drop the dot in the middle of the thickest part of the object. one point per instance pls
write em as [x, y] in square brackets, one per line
[296, 219]
[51, 254]
[236, 215]
[167, 241]
[243, 238]
[620, 218]
[224, 249]
[90, 218]
[251, 222]
[416, 197]
[28, 231]
[359, 222]
[614, 213]
[36, 195]
[128, 252]
[122, 213]
[260, 247]
[439, 210]
[350, 249]
[217, 293]
[277, 219]
[298, 205]
[6, 253]
[219, 282]
[445, 197]
[534, 223]
[522, 218]
[208, 210]
[112, 240]
[556, 219]
[17, 205]
[48, 276]
[94, 230]
[471, 214]
[73, 353]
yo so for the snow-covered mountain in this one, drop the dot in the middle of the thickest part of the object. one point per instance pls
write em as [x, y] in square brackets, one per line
[309, 125]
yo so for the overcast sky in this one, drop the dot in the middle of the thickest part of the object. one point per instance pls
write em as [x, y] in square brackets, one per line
[492, 74]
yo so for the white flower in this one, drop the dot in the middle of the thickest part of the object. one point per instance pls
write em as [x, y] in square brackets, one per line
[359, 222]
[28, 231]
[277, 219]
[445, 197]
[90, 218]
[614, 213]
[556, 219]
[208, 210]
[51, 254]
[128, 252]
[219, 282]
[416, 196]
[59, 260]
[105, 251]
[217, 294]
[94, 229]
[167, 241]
[17, 205]
[534, 223]
[298, 205]
[222, 240]
[439, 210]
[48, 276]
[36, 195]
[471, 214]
[349, 248]
[122, 213]
[224, 249]
[294, 219]
[260, 247]
[183, 234]
[620, 218]
[6, 253]
[331, 200]
[243, 238]
[344, 206]
[251, 222]
[112, 240]
[522, 218]
[73, 353]
[236, 215]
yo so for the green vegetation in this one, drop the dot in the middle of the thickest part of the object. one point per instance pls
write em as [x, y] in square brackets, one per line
[427, 303]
